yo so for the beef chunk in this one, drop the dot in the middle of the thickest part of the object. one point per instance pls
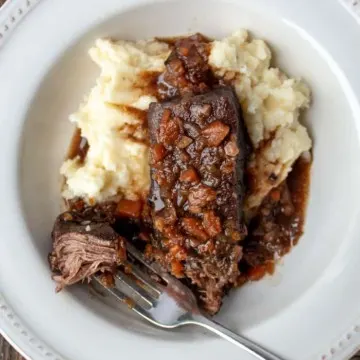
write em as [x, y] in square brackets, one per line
[197, 171]
[187, 68]
[82, 247]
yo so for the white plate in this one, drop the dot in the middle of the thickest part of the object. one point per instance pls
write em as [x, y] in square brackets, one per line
[308, 310]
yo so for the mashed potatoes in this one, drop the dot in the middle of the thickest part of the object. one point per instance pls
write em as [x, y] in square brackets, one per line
[112, 120]
[271, 104]
[112, 116]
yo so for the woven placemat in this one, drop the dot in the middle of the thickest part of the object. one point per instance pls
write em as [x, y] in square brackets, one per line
[9, 353]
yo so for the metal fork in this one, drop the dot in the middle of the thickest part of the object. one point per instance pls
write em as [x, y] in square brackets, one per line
[170, 305]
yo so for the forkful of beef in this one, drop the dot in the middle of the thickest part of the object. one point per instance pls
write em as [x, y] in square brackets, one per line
[88, 250]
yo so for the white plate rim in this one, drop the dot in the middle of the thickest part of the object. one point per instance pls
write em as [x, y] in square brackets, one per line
[28, 344]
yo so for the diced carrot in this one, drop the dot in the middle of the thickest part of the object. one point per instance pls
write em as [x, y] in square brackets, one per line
[275, 195]
[270, 267]
[129, 208]
[168, 129]
[189, 175]
[200, 195]
[178, 252]
[158, 152]
[231, 148]
[257, 273]
[177, 269]
[212, 223]
[215, 133]
[194, 227]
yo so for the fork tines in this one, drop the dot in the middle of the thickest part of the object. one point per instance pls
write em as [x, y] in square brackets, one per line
[132, 282]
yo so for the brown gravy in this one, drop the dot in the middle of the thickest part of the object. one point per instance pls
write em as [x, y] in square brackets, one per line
[278, 224]
[78, 146]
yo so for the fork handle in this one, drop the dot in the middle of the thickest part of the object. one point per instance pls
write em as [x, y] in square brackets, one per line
[247, 345]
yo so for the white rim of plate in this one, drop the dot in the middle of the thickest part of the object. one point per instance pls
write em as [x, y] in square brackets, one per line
[11, 14]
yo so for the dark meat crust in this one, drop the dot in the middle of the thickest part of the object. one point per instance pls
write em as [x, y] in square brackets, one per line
[82, 247]
[225, 107]
[198, 158]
